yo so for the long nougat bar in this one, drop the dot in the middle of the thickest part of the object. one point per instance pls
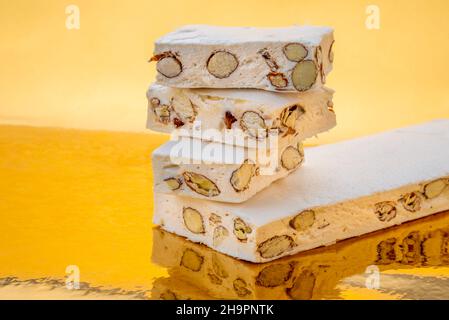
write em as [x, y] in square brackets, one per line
[345, 190]
[220, 172]
[316, 274]
[240, 117]
[295, 58]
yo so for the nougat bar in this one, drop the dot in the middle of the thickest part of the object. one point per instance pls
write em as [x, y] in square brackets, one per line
[316, 274]
[295, 58]
[220, 172]
[344, 190]
[242, 117]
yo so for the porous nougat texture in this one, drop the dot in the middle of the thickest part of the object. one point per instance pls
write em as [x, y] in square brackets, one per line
[220, 172]
[315, 274]
[345, 190]
[229, 113]
[296, 58]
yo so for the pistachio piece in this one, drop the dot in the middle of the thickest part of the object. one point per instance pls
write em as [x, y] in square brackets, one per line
[275, 275]
[214, 279]
[240, 288]
[303, 287]
[278, 79]
[220, 233]
[162, 113]
[290, 114]
[241, 229]
[295, 52]
[435, 188]
[192, 260]
[173, 183]
[303, 221]
[331, 52]
[193, 220]
[218, 268]
[411, 201]
[214, 219]
[254, 124]
[386, 253]
[241, 178]
[201, 184]
[385, 211]
[167, 64]
[275, 246]
[221, 64]
[304, 75]
[291, 158]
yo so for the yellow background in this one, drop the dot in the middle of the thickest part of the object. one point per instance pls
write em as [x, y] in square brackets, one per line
[96, 77]
[84, 198]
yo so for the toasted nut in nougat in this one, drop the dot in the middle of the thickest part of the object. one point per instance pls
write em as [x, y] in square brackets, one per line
[304, 75]
[192, 260]
[168, 295]
[162, 113]
[168, 64]
[411, 201]
[200, 184]
[241, 229]
[275, 246]
[184, 108]
[303, 287]
[386, 253]
[278, 79]
[271, 63]
[303, 221]
[155, 102]
[435, 188]
[220, 233]
[275, 275]
[330, 106]
[218, 268]
[214, 219]
[229, 119]
[193, 220]
[173, 183]
[331, 52]
[254, 124]
[290, 114]
[240, 288]
[319, 63]
[291, 158]
[411, 248]
[214, 279]
[178, 122]
[221, 64]
[295, 52]
[241, 178]
[385, 211]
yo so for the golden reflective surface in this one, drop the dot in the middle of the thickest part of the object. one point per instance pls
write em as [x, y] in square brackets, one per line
[84, 199]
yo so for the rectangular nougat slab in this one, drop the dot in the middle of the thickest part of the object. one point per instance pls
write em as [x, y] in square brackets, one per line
[220, 172]
[345, 190]
[315, 274]
[242, 117]
[296, 58]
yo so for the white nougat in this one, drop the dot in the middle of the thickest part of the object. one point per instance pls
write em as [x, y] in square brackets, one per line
[240, 117]
[220, 172]
[344, 190]
[296, 58]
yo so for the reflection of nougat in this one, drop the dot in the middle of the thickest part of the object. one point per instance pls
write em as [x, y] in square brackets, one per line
[311, 275]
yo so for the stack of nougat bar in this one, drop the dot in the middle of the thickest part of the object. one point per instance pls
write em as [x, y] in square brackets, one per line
[239, 102]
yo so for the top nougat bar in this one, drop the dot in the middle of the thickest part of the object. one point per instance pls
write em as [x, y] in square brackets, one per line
[296, 58]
